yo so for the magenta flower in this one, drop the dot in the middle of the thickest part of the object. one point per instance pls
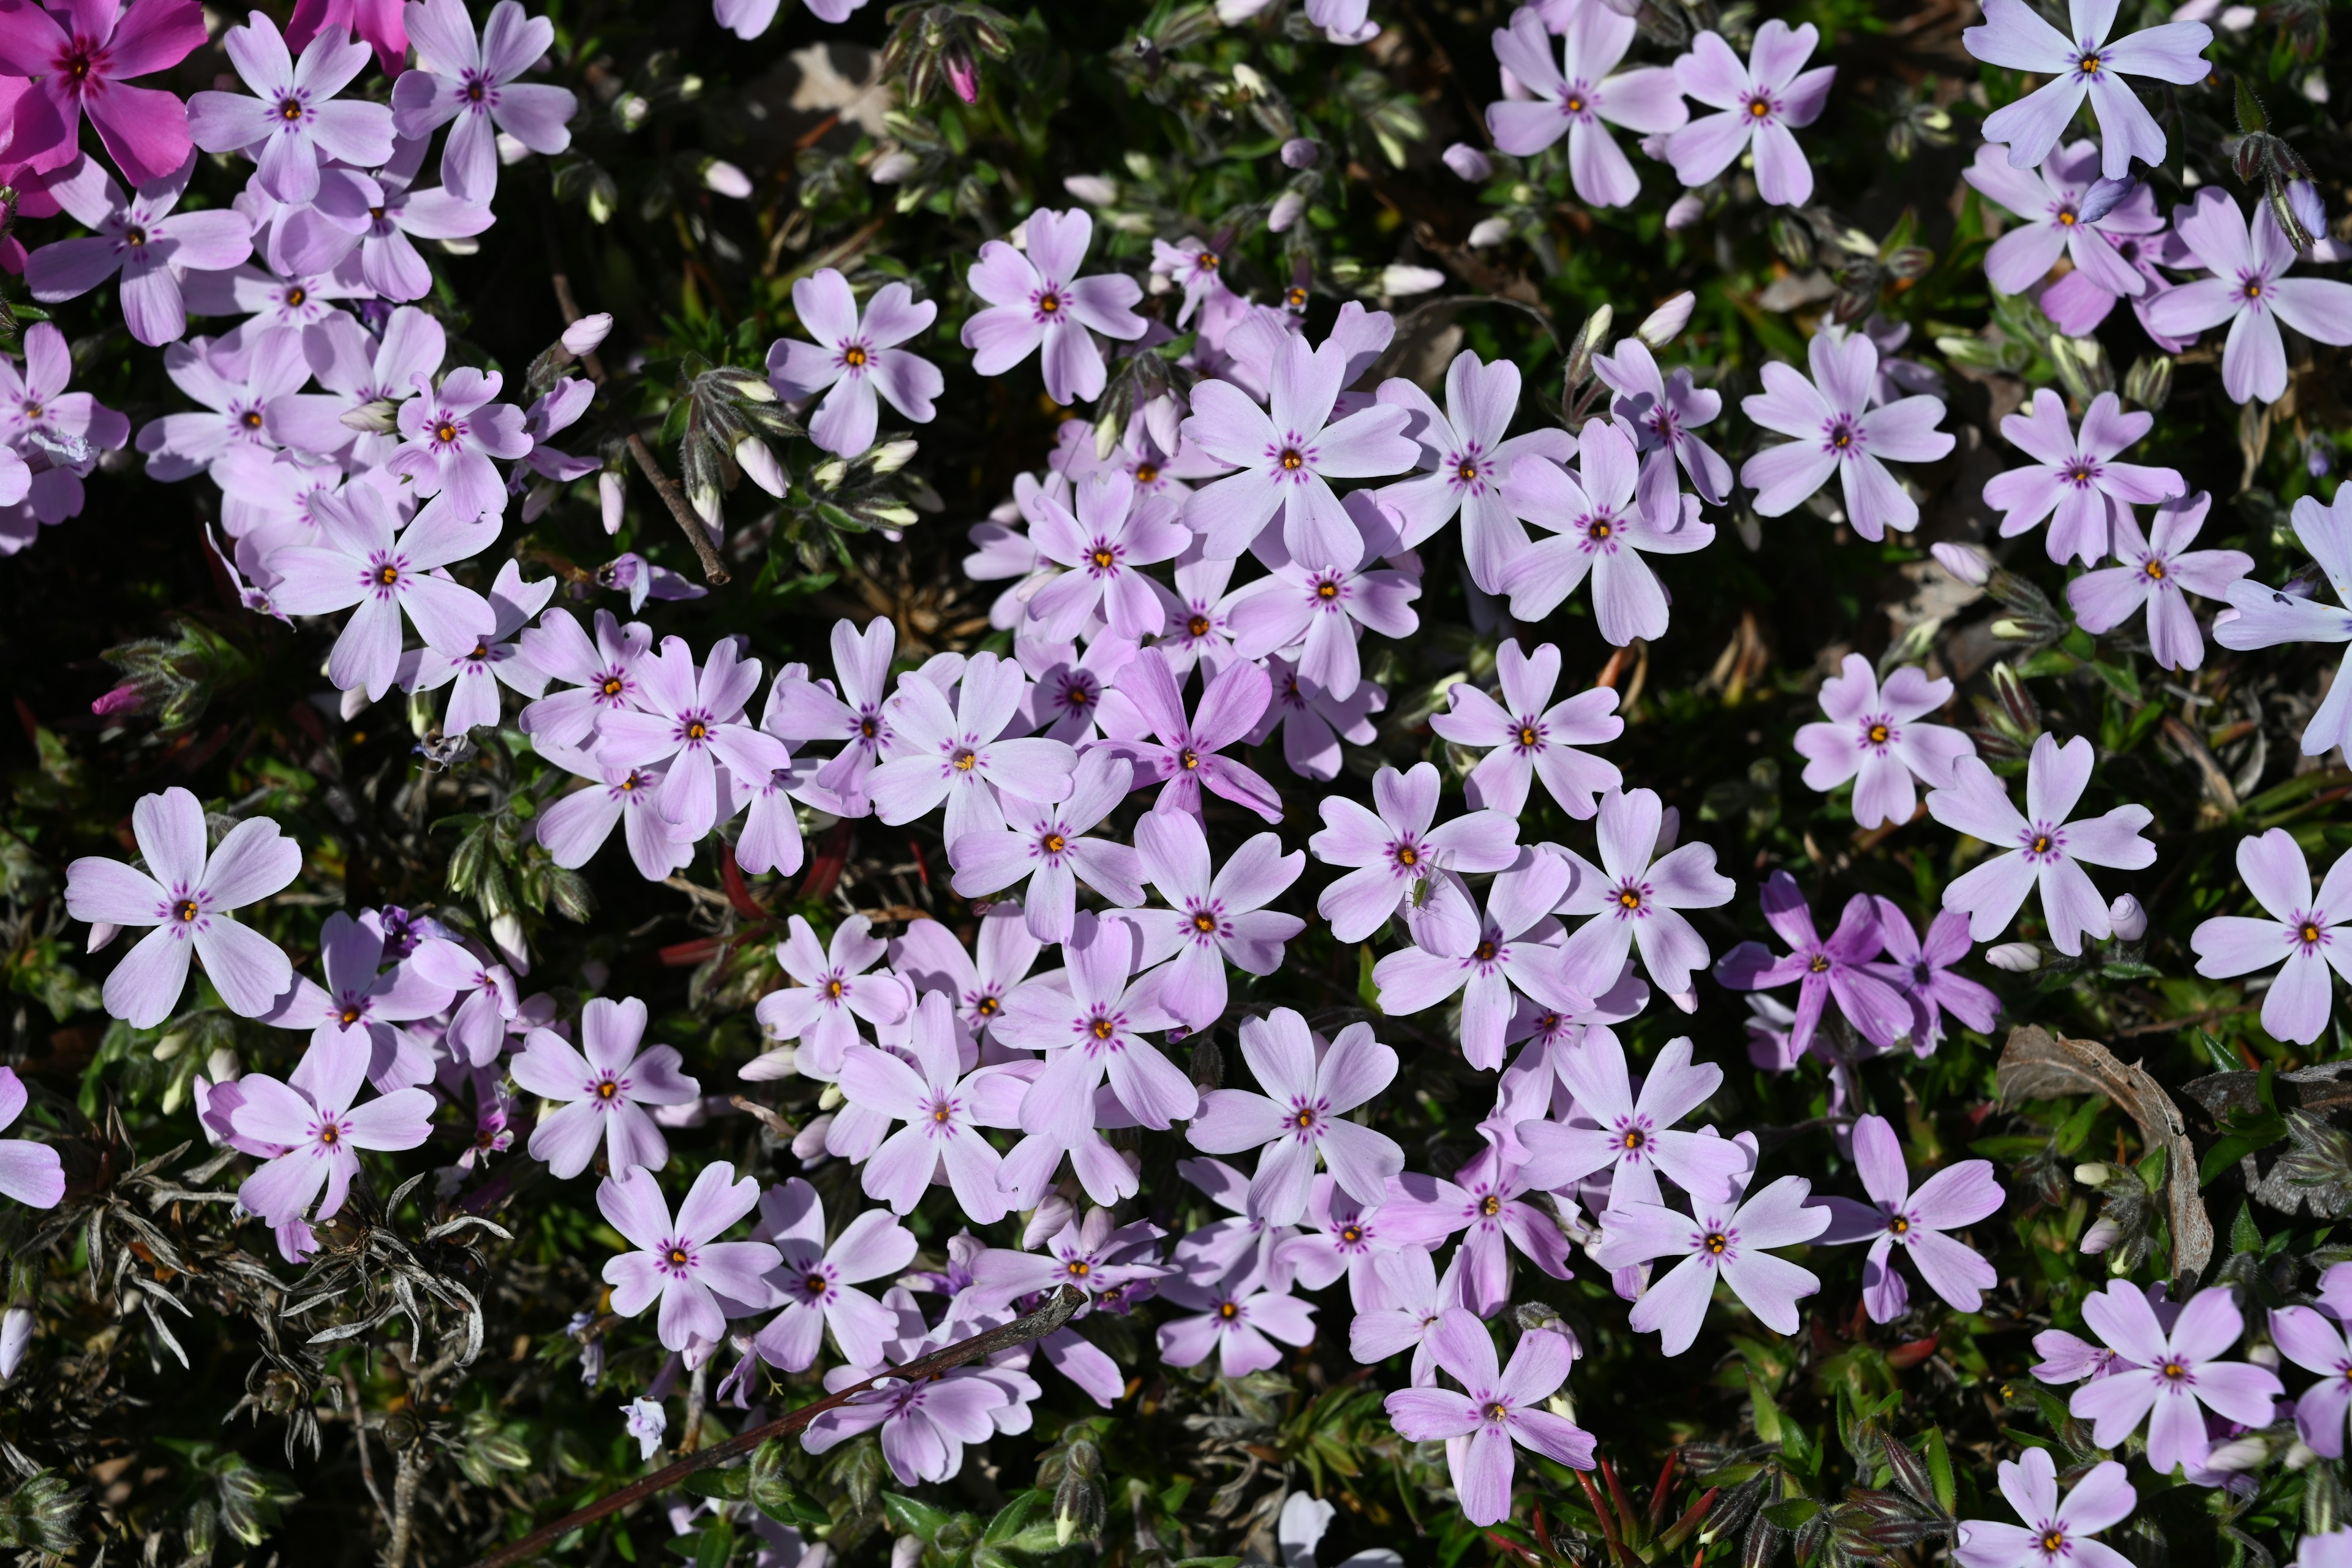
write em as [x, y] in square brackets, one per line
[1514, 951]
[1763, 103]
[1405, 867]
[602, 1087]
[1580, 98]
[1410, 1307]
[1309, 1089]
[2170, 1379]
[683, 1265]
[2250, 290]
[84, 59]
[603, 675]
[1048, 845]
[1288, 453]
[1184, 753]
[1600, 529]
[140, 236]
[1922, 971]
[1498, 1411]
[1217, 915]
[1633, 1138]
[2315, 1342]
[944, 1110]
[959, 757]
[1874, 738]
[2049, 851]
[834, 991]
[1239, 1320]
[2300, 934]
[378, 22]
[474, 83]
[575, 828]
[1895, 1217]
[855, 357]
[1838, 968]
[1113, 536]
[1715, 1241]
[1838, 432]
[2085, 66]
[1533, 737]
[2063, 214]
[1636, 900]
[2056, 1534]
[292, 116]
[2077, 483]
[1092, 1027]
[360, 561]
[1312, 720]
[2265, 617]
[32, 1174]
[452, 435]
[1471, 456]
[693, 722]
[1663, 411]
[1039, 300]
[2159, 572]
[186, 893]
[1485, 1200]
[818, 1284]
[314, 1118]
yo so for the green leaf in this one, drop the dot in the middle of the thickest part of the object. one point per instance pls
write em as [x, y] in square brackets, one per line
[2244, 1235]
[1940, 1468]
[1790, 1512]
[729, 1484]
[2246, 1134]
[1768, 1414]
[913, 1518]
[1173, 1498]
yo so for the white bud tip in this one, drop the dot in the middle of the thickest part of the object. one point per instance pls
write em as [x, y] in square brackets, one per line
[726, 179]
[1664, 325]
[2129, 920]
[583, 336]
[2017, 957]
[1969, 564]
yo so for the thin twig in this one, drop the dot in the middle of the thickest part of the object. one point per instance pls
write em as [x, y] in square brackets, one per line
[359, 1431]
[1056, 1312]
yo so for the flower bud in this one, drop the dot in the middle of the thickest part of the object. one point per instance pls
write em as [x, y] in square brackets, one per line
[963, 74]
[2016, 957]
[2129, 920]
[1095, 190]
[101, 932]
[1686, 210]
[2094, 1174]
[726, 179]
[830, 474]
[907, 1552]
[2148, 384]
[2247, 1453]
[1589, 339]
[1468, 162]
[1286, 209]
[1489, 231]
[1967, 564]
[612, 492]
[583, 336]
[1045, 1221]
[379, 417]
[891, 455]
[810, 1143]
[1300, 152]
[760, 466]
[1664, 325]
[1400, 279]
[2104, 1234]
[893, 167]
[16, 1335]
[505, 935]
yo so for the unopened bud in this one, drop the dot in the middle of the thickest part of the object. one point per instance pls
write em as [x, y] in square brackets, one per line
[1401, 280]
[2129, 920]
[963, 74]
[505, 935]
[1664, 325]
[1970, 565]
[830, 474]
[760, 466]
[1045, 1221]
[1300, 152]
[377, 417]
[101, 932]
[583, 336]
[1589, 339]
[1468, 162]
[1287, 207]
[2148, 384]
[1489, 231]
[612, 493]
[124, 698]
[892, 456]
[707, 503]
[1686, 210]
[1095, 190]
[2016, 957]
[893, 167]
[16, 1335]
[2245, 1454]
[2094, 1174]
[726, 179]
[2104, 1234]
[907, 1552]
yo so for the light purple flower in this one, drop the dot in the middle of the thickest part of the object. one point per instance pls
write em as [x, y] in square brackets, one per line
[944, 1110]
[483, 994]
[2250, 290]
[2300, 934]
[363, 1002]
[32, 1174]
[1875, 737]
[1318, 616]
[186, 893]
[1636, 900]
[693, 724]
[292, 116]
[1405, 867]
[2049, 850]
[1498, 1411]
[1185, 758]
[381, 216]
[1217, 915]
[1838, 432]
[1514, 951]
[2315, 1342]
[1412, 1299]
[1341, 1236]
[1533, 737]
[453, 434]
[1580, 98]
[834, 991]
[313, 1117]
[2077, 484]
[646, 1422]
[1087, 1255]
[240, 385]
[924, 1425]
[1288, 453]
[1039, 300]
[360, 561]
[961, 755]
[1114, 533]
[2056, 1534]
[1839, 967]
[855, 357]
[357, 370]
[140, 236]
[1922, 970]
[602, 1087]
[1895, 1217]
[2060, 204]
[2085, 66]
[1717, 1241]
[1048, 845]
[63, 431]
[1763, 103]
[1309, 1088]
[475, 671]
[859, 715]
[1470, 454]
[1600, 529]
[1239, 1320]
[1487, 1199]
[929, 958]
[818, 1284]
[473, 82]
[1195, 266]
[2159, 572]
[1663, 411]
[683, 1264]
[574, 827]
[1633, 1138]
[2265, 616]
[2170, 1379]
[1092, 1026]
[604, 674]
[1312, 720]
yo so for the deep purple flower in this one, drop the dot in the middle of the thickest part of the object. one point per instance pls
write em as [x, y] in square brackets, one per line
[32, 1174]
[2087, 66]
[1498, 1410]
[856, 356]
[360, 562]
[473, 82]
[1635, 899]
[1047, 844]
[1471, 454]
[835, 990]
[140, 236]
[82, 59]
[1839, 967]
[961, 755]
[1580, 98]
[1487, 1199]
[2055, 1534]
[818, 1283]
[2158, 571]
[2047, 849]
[1533, 737]
[2250, 290]
[2060, 205]
[683, 1264]
[1515, 949]
[291, 117]
[1092, 1025]
[1405, 867]
[2300, 934]
[1633, 1138]
[2265, 616]
[1957, 1195]
[1717, 1240]
[2170, 1379]
[1763, 103]
[453, 434]
[314, 1116]
[1600, 529]
[1216, 915]
[602, 1087]
[1113, 535]
[1875, 736]
[1182, 754]
[2077, 483]
[1922, 970]
[1308, 1087]
[1663, 411]
[944, 1108]
[185, 893]
[1038, 299]
[1838, 432]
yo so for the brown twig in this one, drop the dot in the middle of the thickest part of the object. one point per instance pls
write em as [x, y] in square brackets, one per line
[1056, 1312]
[359, 1434]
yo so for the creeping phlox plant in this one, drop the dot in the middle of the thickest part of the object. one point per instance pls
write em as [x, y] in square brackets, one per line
[1136, 874]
